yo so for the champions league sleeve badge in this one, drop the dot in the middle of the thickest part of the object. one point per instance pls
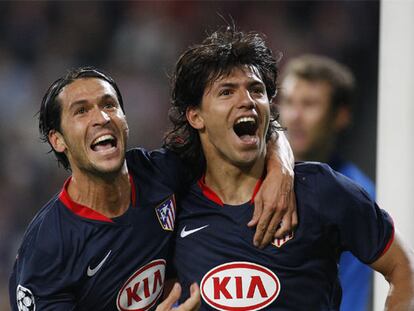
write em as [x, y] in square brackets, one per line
[25, 299]
[166, 213]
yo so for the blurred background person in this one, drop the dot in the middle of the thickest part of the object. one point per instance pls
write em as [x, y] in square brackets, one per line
[316, 108]
[138, 42]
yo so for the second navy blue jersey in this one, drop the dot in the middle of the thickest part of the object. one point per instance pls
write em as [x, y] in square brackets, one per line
[298, 272]
[73, 258]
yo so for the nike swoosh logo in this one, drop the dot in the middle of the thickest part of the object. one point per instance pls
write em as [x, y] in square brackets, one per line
[92, 272]
[185, 232]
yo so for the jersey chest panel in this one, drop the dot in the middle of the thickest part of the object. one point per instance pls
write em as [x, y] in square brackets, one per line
[304, 264]
[114, 254]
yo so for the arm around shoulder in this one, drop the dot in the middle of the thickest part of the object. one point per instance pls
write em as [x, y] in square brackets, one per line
[275, 204]
[397, 266]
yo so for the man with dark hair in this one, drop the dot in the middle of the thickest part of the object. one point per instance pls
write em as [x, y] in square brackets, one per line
[103, 241]
[316, 108]
[85, 249]
[222, 90]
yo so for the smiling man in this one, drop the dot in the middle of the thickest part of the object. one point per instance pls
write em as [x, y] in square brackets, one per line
[222, 90]
[101, 243]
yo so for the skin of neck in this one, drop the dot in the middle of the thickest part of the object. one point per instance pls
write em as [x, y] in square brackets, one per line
[232, 182]
[110, 194]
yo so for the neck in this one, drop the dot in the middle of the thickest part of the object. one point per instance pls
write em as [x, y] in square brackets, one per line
[234, 185]
[108, 195]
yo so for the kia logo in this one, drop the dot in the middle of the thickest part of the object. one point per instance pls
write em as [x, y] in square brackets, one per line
[142, 290]
[239, 286]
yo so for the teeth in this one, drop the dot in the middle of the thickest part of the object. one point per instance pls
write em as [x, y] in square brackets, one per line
[102, 138]
[246, 119]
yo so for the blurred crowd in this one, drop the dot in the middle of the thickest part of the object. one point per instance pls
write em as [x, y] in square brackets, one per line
[138, 43]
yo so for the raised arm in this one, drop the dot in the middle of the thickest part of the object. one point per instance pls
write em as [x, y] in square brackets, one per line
[397, 266]
[275, 205]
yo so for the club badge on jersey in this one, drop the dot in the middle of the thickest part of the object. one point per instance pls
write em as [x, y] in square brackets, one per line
[243, 286]
[166, 213]
[25, 299]
[278, 242]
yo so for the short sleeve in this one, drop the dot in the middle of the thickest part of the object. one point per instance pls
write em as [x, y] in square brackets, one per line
[39, 280]
[364, 228]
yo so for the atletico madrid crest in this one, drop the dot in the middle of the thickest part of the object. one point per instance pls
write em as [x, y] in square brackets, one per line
[278, 242]
[166, 213]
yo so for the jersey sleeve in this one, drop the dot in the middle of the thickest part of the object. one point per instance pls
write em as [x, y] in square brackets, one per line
[164, 164]
[40, 280]
[363, 228]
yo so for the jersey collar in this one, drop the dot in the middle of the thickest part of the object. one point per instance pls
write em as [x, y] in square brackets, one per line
[212, 196]
[84, 211]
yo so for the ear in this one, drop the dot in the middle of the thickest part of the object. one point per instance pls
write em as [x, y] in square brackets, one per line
[57, 141]
[194, 118]
[342, 118]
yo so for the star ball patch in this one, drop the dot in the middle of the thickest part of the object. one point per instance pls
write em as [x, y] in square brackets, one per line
[25, 299]
[166, 213]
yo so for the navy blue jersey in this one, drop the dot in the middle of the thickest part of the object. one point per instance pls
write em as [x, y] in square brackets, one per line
[299, 272]
[73, 258]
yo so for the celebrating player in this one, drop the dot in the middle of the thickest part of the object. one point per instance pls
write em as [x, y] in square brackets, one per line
[222, 90]
[102, 242]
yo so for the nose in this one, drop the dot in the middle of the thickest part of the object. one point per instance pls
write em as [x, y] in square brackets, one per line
[101, 117]
[246, 100]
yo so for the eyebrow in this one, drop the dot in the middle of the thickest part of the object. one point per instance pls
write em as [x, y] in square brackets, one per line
[227, 84]
[84, 101]
[256, 82]
[232, 85]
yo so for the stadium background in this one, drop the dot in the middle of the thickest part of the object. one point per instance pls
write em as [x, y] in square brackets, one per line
[138, 43]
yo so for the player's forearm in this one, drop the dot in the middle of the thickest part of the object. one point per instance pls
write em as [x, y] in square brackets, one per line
[401, 294]
[397, 266]
[275, 205]
[279, 154]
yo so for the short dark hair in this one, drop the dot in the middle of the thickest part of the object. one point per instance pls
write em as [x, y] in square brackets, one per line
[51, 110]
[320, 68]
[197, 68]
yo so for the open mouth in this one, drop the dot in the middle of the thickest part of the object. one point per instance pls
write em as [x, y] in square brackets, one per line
[245, 127]
[104, 142]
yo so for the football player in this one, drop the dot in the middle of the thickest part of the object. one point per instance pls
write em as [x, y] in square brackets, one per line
[222, 91]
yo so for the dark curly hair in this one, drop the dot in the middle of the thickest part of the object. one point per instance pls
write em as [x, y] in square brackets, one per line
[197, 68]
[50, 108]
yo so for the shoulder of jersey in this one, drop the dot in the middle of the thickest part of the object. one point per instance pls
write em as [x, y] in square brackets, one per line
[146, 154]
[136, 154]
[315, 175]
[312, 168]
[47, 213]
[143, 158]
[44, 228]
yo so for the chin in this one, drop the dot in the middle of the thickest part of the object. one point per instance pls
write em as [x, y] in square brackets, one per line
[247, 160]
[108, 168]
